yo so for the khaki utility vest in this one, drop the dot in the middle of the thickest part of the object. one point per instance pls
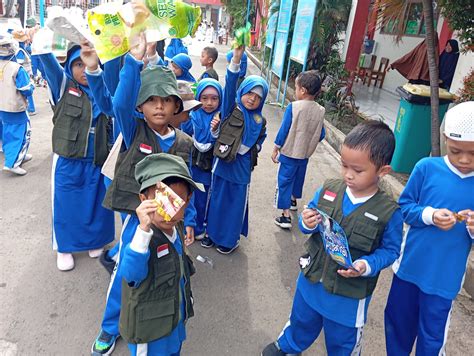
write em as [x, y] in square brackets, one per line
[122, 194]
[230, 138]
[305, 130]
[11, 100]
[152, 310]
[72, 121]
[363, 233]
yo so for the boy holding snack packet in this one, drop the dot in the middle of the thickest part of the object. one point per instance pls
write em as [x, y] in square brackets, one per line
[438, 205]
[155, 267]
[327, 295]
[154, 93]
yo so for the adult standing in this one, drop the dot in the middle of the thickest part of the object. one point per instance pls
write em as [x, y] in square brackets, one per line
[447, 63]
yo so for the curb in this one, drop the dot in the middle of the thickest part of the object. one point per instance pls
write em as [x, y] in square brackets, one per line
[390, 184]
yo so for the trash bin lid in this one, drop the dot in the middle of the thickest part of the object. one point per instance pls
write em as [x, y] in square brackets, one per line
[420, 94]
[425, 90]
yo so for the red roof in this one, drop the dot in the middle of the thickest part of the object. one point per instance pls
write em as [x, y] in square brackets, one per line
[206, 2]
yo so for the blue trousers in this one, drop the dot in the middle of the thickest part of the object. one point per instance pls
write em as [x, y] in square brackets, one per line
[290, 183]
[110, 319]
[411, 314]
[200, 203]
[305, 325]
[16, 141]
[31, 104]
[148, 350]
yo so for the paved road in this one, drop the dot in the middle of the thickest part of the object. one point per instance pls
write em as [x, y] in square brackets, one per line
[241, 304]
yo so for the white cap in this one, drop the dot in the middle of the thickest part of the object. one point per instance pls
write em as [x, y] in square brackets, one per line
[257, 90]
[459, 122]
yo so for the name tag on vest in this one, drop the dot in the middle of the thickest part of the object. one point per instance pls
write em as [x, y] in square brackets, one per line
[75, 92]
[371, 216]
[328, 195]
[145, 149]
[162, 250]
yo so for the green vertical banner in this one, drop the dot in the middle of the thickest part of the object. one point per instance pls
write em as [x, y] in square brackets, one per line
[281, 39]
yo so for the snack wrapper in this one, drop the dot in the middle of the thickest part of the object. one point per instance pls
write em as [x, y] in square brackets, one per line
[242, 36]
[335, 241]
[115, 27]
[169, 203]
[46, 41]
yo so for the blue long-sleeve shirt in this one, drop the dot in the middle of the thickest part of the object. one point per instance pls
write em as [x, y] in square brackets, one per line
[283, 134]
[433, 259]
[352, 312]
[26, 88]
[134, 269]
[124, 110]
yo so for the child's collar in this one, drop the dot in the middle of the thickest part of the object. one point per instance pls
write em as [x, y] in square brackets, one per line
[455, 170]
[355, 200]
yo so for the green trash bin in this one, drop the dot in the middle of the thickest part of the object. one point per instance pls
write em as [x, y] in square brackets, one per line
[413, 129]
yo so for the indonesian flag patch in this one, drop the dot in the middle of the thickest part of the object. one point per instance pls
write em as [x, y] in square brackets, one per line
[145, 149]
[162, 250]
[74, 91]
[328, 195]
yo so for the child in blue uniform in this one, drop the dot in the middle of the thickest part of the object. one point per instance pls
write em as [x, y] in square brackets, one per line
[243, 65]
[240, 139]
[16, 88]
[80, 223]
[300, 132]
[181, 65]
[430, 271]
[175, 47]
[209, 56]
[155, 93]
[156, 246]
[327, 295]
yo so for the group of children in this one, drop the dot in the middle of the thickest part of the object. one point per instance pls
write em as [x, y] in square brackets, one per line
[204, 147]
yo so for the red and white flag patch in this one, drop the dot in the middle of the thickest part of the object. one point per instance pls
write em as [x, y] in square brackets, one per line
[162, 250]
[145, 149]
[74, 91]
[328, 195]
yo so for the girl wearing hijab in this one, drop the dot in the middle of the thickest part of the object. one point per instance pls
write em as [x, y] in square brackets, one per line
[180, 65]
[175, 47]
[447, 63]
[210, 93]
[82, 135]
[236, 149]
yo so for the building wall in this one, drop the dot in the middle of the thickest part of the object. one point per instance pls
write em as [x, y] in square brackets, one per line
[465, 65]
[386, 47]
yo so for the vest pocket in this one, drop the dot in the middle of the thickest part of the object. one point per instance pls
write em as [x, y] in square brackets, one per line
[65, 134]
[126, 184]
[310, 262]
[363, 237]
[154, 319]
[164, 272]
[223, 147]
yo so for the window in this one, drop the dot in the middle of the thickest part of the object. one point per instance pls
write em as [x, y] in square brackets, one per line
[413, 24]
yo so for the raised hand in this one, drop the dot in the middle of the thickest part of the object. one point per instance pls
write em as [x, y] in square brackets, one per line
[138, 50]
[89, 56]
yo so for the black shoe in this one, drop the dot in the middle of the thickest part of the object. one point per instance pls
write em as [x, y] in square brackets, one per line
[206, 242]
[272, 350]
[107, 262]
[293, 206]
[104, 344]
[283, 222]
[226, 250]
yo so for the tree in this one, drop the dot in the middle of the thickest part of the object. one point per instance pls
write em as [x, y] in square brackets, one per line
[459, 13]
[393, 13]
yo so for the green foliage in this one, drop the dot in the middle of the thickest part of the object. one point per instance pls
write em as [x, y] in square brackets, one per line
[460, 17]
[237, 9]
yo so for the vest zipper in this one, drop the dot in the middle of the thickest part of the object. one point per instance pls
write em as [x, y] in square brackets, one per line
[88, 133]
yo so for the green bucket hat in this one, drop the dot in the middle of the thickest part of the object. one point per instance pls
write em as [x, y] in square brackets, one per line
[158, 81]
[31, 22]
[157, 167]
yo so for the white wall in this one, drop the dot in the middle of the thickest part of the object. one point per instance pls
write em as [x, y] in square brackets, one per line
[465, 65]
[386, 47]
[347, 34]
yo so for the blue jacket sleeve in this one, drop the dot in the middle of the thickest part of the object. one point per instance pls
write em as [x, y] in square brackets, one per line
[230, 92]
[410, 198]
[100, 92]
[112, 73]
[23, 83]
[134, 266]
[285, 127]
[126, 96]
[187, 127]
[323, 134]
[190, 214]
[312, 204]
[389, 249]
[54, 75]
